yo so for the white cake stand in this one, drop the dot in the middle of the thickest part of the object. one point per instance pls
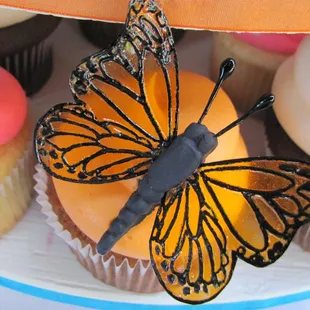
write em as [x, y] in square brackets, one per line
[36, 262]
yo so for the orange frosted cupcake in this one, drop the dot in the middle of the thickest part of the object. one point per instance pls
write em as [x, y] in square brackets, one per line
[80, 213]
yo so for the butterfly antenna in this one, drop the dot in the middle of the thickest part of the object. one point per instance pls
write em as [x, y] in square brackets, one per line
[263, 103]
[226, 69]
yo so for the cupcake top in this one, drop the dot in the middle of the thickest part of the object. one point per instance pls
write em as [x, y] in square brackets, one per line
[9, 17]
[13, 107]
[277, 43]
[93, 207]
[291, 88]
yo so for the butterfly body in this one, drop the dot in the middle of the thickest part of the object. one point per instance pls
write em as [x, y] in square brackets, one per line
[177, 163]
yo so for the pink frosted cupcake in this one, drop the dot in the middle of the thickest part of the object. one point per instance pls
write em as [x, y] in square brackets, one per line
[258, 57]
[16, 160]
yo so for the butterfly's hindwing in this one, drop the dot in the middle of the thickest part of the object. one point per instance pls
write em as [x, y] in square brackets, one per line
[189, 248]
[75, 146]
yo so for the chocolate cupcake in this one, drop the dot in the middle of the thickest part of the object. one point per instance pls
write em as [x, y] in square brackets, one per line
[288, 125]
[24, 49]
[102, 34]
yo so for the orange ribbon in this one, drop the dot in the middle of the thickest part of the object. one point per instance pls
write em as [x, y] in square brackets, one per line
[226, 15]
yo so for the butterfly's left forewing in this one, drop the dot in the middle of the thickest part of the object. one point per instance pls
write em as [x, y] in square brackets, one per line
[126, 107]
[189, 249]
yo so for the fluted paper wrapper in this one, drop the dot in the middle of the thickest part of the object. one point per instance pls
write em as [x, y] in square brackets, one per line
[302, 236]
[121, 272]
[15, 192]
[254, 72]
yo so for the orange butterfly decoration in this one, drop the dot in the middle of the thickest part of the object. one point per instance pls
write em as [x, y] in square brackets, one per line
[113, 132]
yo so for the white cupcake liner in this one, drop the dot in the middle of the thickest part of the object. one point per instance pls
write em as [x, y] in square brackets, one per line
[120, 273]
[15, 191]
[302, 236]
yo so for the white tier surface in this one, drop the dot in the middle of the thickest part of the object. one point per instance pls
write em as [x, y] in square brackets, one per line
[35, 261]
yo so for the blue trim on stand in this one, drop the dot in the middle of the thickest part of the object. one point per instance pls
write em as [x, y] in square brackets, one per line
[113, 305]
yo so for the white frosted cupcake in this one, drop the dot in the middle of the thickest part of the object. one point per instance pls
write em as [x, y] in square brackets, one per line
[288, 125]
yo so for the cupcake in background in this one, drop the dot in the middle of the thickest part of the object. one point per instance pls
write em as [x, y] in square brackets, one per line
[288, 124]
[16, 160]
[24, 49]
[102, 34]
[258, 56]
